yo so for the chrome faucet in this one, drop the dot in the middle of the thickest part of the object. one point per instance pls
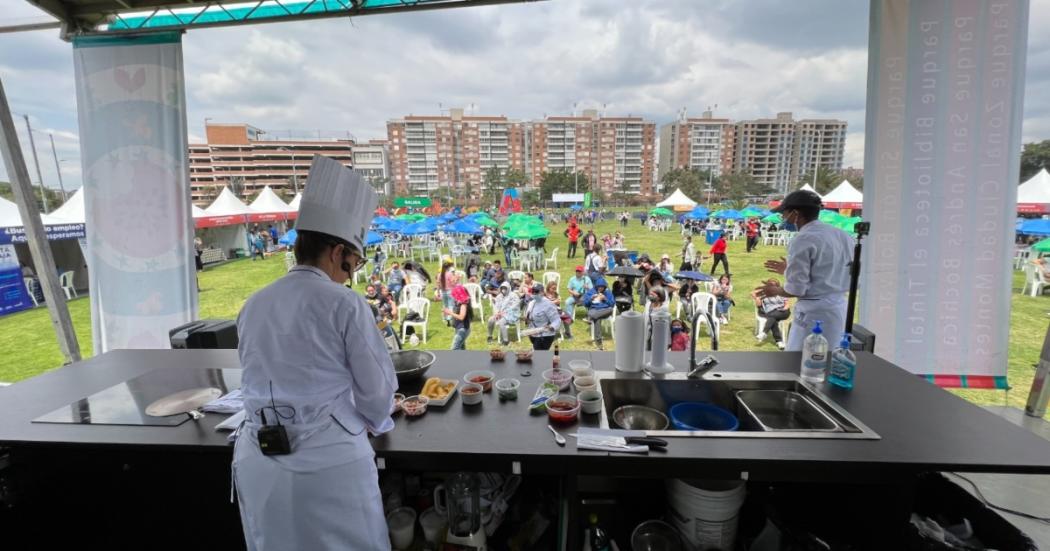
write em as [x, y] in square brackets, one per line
[708, 363]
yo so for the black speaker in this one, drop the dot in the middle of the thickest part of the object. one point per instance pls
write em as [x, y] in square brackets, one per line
[205, 334]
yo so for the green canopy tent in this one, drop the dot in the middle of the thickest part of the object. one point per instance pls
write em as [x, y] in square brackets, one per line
[518, 219]
[751, 212]
[774, 218]
[528, 231]
[660, 211]
[485, 220]
[1042, 246]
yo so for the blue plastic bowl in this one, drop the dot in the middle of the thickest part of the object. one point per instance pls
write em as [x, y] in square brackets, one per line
[701, 416]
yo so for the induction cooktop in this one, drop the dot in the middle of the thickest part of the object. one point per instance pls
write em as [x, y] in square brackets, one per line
[125, 403]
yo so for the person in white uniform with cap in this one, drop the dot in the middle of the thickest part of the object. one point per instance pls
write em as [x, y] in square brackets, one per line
[317, 373]
[816, 270]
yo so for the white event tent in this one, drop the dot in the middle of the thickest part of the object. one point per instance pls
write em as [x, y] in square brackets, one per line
[845, 196]
[1033, 196]
[64, 226]
[677, 201]
[808, 187]
[295, 201]
[225, 221]
[269, 207]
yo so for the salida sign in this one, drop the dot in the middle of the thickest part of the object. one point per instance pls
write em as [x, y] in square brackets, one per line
[415, 202]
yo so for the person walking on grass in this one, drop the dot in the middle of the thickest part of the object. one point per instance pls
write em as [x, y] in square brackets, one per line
[718, 251]
[573, 233]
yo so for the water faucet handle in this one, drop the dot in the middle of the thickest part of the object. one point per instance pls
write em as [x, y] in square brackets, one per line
[703, 366]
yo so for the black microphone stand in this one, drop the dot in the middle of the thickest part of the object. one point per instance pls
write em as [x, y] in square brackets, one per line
[862, 229]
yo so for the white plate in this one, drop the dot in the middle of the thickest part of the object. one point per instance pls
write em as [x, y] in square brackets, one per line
[443, 401]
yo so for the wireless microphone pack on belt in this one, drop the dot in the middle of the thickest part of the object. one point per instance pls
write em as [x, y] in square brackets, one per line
[273, 439]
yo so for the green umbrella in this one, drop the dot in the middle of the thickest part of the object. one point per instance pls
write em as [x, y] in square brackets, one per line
[518, 219]
[831, 217]
[528, 231]
[750, 212]
[847, 224]
[415, 217]
[486, 220]
[660, 211]
[1042, 246]
[774, 218]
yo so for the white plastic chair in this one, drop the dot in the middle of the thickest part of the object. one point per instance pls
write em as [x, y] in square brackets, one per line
[422, 307]
[29, 289]
[551, 276]
[66, 281]
[760, 322]
[516, 274]
[700, 302]
[289, 262]
[1034, 280]
[552, 260]
[1021, 256]
[526, 260]
[408, 292]
[474, 290]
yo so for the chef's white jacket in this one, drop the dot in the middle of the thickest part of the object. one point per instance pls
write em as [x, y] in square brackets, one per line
[818, 265]
[317, 342]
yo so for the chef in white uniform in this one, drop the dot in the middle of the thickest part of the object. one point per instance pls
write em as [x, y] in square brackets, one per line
[816, 270]
[315, 363]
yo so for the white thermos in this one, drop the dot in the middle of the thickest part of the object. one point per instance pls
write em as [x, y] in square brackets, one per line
[630, 341]
[660, 339]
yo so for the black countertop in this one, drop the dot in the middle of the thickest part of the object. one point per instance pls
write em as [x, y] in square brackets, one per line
[921, 426]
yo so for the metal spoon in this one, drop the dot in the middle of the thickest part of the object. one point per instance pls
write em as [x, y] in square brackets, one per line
[557, 436]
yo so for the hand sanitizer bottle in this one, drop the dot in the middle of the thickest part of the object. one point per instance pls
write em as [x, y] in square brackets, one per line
[815, 356]
[843, 364]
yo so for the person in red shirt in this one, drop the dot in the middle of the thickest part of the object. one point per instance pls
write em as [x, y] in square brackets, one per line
[752, 235]
[573, 233]
[679, 336]
[719, 252]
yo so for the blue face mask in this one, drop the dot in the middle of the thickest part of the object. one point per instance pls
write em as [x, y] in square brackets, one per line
[677, 329]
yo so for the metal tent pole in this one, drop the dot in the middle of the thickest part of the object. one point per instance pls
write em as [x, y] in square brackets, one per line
[36, 237]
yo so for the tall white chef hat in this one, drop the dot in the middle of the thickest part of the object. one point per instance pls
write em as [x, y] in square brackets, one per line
[338, 202]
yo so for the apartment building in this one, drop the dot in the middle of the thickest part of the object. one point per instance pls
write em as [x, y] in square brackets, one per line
[779, 151]
[373, 162]
[703, 143]
[615, 153]
[818, 143]
[243, 157]
[433, 153]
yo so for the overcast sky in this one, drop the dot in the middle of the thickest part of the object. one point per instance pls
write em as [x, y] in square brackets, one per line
[652, 58]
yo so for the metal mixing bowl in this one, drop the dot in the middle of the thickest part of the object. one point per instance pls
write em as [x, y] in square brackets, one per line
[411, 364]
[639, 418]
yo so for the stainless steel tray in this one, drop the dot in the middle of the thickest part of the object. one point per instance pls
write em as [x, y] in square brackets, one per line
[784, 410]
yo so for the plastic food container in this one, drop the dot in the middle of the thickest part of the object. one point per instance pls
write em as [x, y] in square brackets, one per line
[524, 356]
[507, 389]
[585, 383]
[497, 355]
[563, 408]
[481, 377]
[560, 377]
[398, 399]
[471, 393]
[576, 366]
[590, 401]
[414, 406]
[701, 416]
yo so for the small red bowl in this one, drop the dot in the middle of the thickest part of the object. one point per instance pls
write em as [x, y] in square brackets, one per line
[563, 408]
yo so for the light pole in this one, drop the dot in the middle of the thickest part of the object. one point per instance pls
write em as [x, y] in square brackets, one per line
[58, 169]
[36, 161]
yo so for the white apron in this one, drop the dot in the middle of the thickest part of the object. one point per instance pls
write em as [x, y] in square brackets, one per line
[830, 310]
[322, 496]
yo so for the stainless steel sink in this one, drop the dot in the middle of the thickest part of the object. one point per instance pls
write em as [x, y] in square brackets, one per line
[768, 405]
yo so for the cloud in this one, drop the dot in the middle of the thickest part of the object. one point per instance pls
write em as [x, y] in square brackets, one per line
[751, 58]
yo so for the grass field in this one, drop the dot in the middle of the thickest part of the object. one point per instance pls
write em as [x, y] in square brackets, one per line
[28, 346]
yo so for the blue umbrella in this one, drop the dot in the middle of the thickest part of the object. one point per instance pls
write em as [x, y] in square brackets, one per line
[575, 207]
[728, 214]
[288, 238]
[698, 276]
[372, 238]
[1035, 227]
[418, 228]
[698, 213]
[388, 224]
[465, 225]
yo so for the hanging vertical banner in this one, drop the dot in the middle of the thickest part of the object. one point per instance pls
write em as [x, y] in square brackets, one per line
[943, 135]
[13, 293]
[132, 112]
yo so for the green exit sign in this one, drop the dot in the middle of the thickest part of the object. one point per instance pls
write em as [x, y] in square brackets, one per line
[412, 202]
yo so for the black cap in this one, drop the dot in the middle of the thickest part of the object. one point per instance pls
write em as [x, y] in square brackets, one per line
[800, 198]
